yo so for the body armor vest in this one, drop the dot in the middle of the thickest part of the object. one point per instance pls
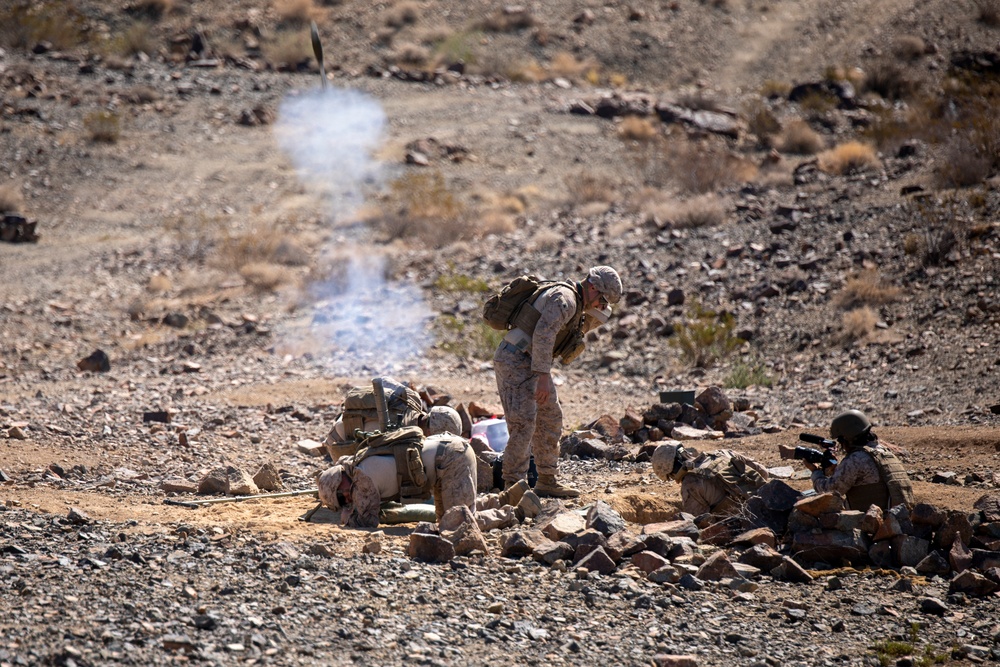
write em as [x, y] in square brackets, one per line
[569, 341]
[893, 487]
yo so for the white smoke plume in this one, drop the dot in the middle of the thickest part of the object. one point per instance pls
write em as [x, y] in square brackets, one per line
[363, 321]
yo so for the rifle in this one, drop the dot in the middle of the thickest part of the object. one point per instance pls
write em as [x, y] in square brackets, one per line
[824, 459]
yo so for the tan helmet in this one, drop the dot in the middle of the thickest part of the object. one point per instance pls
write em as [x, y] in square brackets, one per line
[329, 484]
[442, 418]
[663, 460]
[606, 281]
[849, 425]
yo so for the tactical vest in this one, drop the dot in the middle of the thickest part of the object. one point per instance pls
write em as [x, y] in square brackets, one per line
[569, 341]
[405, 445]
[893, 487]
[739, 479]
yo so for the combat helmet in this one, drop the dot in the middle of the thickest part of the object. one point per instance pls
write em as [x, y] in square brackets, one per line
[849, 426]
[443, 418]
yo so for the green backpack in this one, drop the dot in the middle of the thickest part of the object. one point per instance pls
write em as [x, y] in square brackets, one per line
[501, 310]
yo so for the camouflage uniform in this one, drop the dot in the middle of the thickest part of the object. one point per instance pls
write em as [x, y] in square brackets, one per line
[449, 462]
[856, 469]
[709, 493]
[534, 427]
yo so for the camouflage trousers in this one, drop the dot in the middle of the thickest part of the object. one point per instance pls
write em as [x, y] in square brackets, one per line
[534, 428]
[455, 476]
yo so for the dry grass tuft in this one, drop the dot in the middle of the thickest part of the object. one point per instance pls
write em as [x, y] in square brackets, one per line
[420, 206]
[159, 284]
[545, 240]
[587, 187]
[409, 53]
[706, 210]
[761, 121]
[891, 80]
[154, 9]
[260, 243]
[264, 277]
[847, 158]
[496, 223]
[909, 47]
[636, 128]
[11, 199]
[799, 138]
[295, 11]
[858, 323]
[865, 289]
[691, 165]
[402, 14]
[288, 50]
[988, 12]
[103, 126]
[509, 19]
[24, 24]
[566, 65]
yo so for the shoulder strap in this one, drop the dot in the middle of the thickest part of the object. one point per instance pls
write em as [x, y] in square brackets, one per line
[526, 316]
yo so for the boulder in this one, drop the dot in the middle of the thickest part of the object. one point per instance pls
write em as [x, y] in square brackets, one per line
[909, 550]
[821, 503]
[934, 563]
[668, 574]
[956, 524]
[789, 570]
[830, 546]
[603, 518]
[717, 567]
[756, 536]
[677, 528]
[458, 526]
[761, 556]
[959, 556]
[989, 506]
[566, 523]
[430, 548]
[925, 514]
[521, 543]
[268, 478]
[499, 517]
[648, 562]
[972, 583]
[597, 561]
[549, 552]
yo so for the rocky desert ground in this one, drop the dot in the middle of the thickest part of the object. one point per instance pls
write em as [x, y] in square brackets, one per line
[800, 197]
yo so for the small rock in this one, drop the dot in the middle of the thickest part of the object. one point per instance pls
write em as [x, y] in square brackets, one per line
[930, 605]
[97, 362]
[310, 447]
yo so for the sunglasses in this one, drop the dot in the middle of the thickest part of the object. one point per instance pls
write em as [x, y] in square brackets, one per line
[341, 500]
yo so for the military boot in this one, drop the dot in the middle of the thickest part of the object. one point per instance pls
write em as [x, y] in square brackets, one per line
[511, 495]
[548, 487]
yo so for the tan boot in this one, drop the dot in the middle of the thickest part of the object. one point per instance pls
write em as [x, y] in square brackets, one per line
[548, 487]
[511, 495]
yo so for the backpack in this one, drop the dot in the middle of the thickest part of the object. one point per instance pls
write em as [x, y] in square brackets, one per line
[739, 479]
[406, 445]
[501, 310]
[359, 407]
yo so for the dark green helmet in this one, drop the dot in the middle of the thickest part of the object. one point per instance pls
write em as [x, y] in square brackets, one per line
[849, 425]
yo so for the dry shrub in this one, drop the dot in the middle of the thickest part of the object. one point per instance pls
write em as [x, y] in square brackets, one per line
[495, 222]
[24, 24]
[290, 253]
[103, 126]
[295, 11]
[421, 206]
[865, 289]
[288, 50]
[692, 166]
[509, 19]
[544, 240]
[847, 158]
[143, 95]
[636, 128]
[799, 138]
[913, 243]
[153, 9]
[263, 276]
[458, 47]
[858, 323]
[761, 121]
[909, 47]
[255, 245]
[158, 284]
[587, 187]
[137, 38]
[698, 100]
[566, 65]
[11, 199]
[963, 164]
[891, 80]
[988, 12]
[706, 210]
[773, 89]
[402, 14]
[818, 102]
[526, 71]
[409, 53]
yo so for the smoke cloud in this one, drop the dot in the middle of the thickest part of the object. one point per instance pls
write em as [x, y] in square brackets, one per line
[361, 320]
